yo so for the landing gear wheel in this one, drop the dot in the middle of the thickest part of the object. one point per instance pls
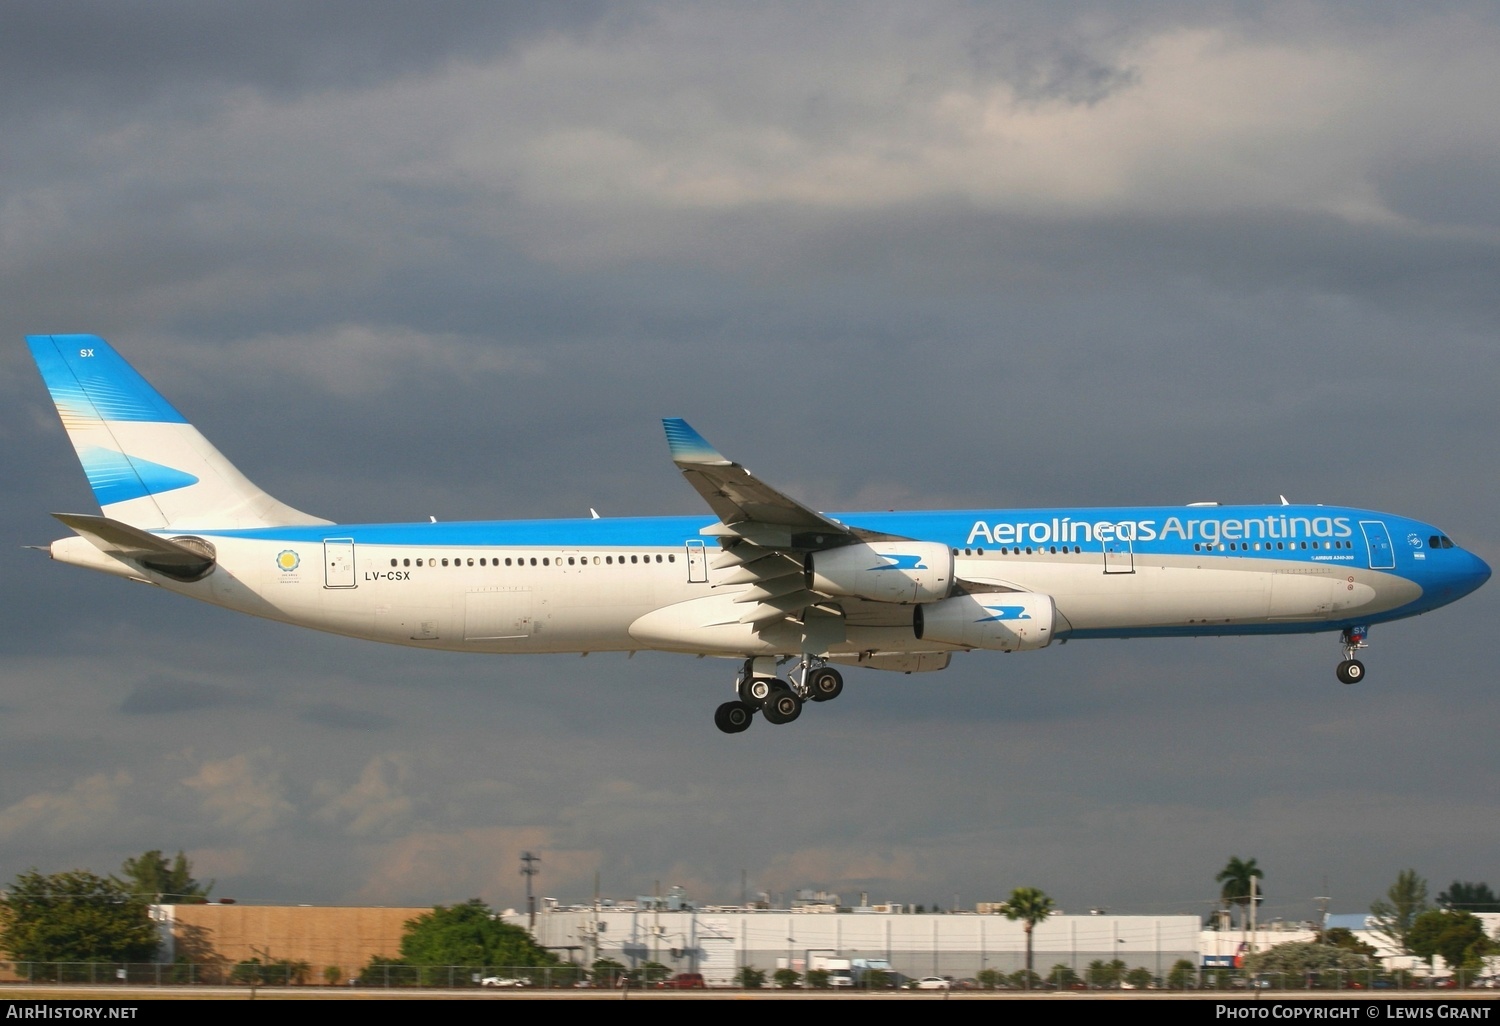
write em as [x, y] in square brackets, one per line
[757, 690]
[783, 707]
[733, 717]
[825, 685]
[1351, 671]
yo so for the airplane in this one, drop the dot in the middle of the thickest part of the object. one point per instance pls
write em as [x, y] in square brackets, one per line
[789, 592]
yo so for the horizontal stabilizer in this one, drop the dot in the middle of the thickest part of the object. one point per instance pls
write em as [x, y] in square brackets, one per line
[122, 541]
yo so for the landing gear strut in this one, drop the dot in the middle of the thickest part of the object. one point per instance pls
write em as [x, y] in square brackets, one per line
[759, 689]
[1351, 670]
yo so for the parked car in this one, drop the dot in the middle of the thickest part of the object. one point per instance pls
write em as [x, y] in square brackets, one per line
[504, 981]
[683, 981]
[933, 983]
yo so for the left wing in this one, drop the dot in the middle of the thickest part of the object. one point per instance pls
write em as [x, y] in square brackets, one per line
[746, 506]
[765, 534]
[774, 544]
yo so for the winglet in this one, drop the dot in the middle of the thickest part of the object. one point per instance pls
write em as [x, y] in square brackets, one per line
[688, 446]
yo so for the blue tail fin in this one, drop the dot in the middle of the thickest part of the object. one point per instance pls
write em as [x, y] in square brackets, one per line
[147, 465]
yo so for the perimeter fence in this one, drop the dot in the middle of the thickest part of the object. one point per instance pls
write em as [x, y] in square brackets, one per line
[394, 975]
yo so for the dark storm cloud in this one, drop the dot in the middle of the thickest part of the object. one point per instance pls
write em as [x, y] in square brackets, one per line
[401, 261]
[101, 60]
[157, 698]
[338, 717]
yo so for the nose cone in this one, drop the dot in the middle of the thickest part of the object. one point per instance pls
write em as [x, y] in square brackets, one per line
[1478, 573]
[1467, 574]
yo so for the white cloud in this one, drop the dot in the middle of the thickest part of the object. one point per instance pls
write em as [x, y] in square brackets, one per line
[88, 805]
[378, 803]
[243, 793]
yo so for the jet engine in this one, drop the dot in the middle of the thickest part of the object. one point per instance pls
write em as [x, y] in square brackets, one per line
[1011, 621]
[902, 572]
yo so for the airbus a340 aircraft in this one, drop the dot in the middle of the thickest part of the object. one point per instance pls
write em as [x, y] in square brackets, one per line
[764, 579]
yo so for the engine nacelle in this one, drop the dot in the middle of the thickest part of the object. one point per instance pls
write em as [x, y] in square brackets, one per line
[1005, 621]
[901, 572]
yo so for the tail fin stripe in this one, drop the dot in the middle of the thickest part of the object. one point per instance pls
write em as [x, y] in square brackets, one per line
[115, 477]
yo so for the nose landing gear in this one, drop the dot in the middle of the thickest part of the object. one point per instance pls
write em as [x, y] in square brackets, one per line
[1351, 670]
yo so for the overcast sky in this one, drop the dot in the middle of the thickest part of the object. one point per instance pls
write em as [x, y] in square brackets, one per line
[457, 259]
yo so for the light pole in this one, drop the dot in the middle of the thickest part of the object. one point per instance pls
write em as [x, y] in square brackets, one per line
[529, 870]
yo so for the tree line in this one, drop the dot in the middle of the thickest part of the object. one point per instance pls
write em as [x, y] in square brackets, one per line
[76, 916]
[1449, 929]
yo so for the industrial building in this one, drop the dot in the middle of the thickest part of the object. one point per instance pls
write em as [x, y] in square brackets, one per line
[717, 941]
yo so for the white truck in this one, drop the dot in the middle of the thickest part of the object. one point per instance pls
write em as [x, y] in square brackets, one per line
[840, 970]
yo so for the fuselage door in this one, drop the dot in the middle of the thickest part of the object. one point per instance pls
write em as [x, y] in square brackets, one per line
[1119, 556]
[338, 563]
[1378, 542]
[697, 561]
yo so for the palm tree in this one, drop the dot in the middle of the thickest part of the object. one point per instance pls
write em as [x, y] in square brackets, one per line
[1030, 906]
[1236, 877]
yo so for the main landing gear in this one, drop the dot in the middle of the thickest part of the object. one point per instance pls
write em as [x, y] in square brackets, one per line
[1351, 670]
[779, 701]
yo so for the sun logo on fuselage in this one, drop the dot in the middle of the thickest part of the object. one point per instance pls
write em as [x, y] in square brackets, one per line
[288, 560]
